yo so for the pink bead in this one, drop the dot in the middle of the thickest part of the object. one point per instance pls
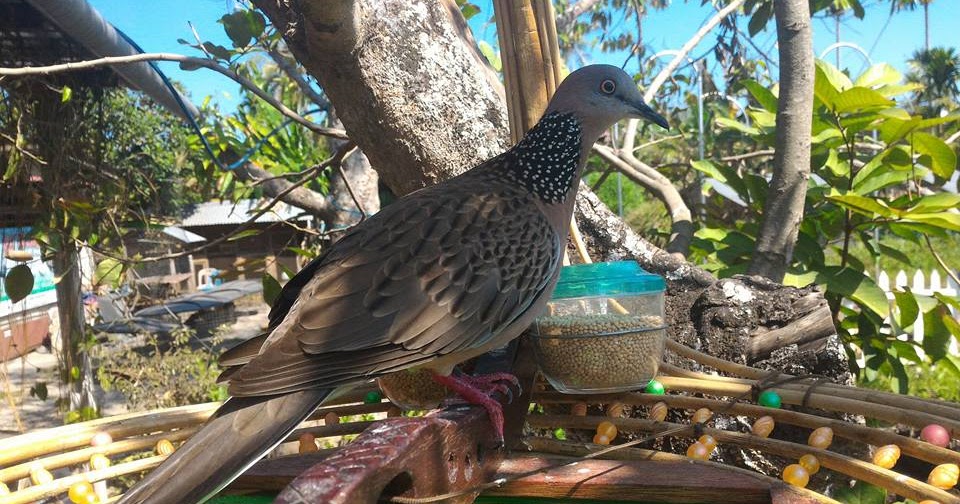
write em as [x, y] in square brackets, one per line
[936, 435]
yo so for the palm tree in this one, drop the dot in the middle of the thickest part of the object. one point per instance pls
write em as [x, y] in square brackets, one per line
[938, 71]
[899, 5]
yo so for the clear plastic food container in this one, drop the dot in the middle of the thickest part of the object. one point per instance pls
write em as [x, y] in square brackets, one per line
[603, 330]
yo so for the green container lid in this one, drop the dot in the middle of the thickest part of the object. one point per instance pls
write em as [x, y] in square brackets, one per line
[607, 279]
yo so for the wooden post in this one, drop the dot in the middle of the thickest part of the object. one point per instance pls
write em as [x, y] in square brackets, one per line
[66, 267]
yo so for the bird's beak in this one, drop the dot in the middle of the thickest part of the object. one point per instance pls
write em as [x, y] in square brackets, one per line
[643, 111]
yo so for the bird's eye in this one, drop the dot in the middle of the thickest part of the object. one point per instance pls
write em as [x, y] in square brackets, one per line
[608, 87]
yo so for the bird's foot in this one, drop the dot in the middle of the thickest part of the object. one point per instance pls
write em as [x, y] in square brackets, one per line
[478, 389]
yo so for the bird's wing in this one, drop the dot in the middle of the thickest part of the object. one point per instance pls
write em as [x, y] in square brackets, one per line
[443, 272]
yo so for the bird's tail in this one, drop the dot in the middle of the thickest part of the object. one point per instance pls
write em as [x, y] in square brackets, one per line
[242, 431]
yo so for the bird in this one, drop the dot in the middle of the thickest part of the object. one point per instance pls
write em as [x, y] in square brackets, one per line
[440, 276]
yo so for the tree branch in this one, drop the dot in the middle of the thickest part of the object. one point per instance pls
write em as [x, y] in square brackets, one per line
[667, 71]
[187, 63]
[681, 229]
[290, 68]
[283, 194]
[565, 21]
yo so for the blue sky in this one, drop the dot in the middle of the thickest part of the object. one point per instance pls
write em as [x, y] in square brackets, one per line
[156, 26]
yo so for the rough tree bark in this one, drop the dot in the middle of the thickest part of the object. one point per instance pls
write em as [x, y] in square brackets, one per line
[783, 210]
[415, 95]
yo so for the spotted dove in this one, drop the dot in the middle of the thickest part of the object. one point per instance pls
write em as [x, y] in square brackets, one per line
[440, 276]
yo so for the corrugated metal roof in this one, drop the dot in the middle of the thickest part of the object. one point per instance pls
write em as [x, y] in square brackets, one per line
[183, 235]
[218, 213]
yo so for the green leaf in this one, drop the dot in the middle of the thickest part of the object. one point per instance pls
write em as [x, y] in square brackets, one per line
[855, 285]
[491, 55]
[243, 26]
[880, 74]
[469, 10]
[860, 98]
[860, 493]
[725, 174]
[39, 390]
[762, 94]
[943, 220]
[18, 283]
[271, 289]
[829, 82]
[907, 308]
[895, 254]
[936, 202]
[244, 234]
[215, 50]
[759, 19]
[877, 179]
[108, 272]
[726, 122]
[66, 94]
[936, 334]
[863, 205]
[943, 160]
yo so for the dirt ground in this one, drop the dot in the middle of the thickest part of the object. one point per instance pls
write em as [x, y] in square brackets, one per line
[21, 412]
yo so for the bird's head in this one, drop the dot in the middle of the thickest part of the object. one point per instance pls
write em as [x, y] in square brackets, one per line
[599, 96]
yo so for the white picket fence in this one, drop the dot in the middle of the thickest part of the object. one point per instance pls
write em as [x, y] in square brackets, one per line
[922, 283]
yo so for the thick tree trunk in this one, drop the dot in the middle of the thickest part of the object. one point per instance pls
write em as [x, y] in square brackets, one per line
[415, 95]
[783, 210]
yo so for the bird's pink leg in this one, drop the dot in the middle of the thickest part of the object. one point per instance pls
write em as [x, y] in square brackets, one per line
[478, 389]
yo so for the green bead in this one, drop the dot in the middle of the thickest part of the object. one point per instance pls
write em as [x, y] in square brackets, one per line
[655, 387]
[372, 397]
[769, 399]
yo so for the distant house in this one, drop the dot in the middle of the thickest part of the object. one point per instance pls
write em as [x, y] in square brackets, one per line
[247, 256]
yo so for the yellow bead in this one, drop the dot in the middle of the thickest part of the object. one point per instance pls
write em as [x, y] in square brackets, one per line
[101, 439]
[39, 475]
[702, 415]
[928, 501]
[811, 463]
[579, 409]
[308, 443]
[886, 456]
[698, 451]
[601, 439]
[80, 493]
[331, 419]
[944, 476]
[615, 410]
[658, 412]
[821, 438]
[606, 428]
[708, 441]
[164, 447]
[796, 475]
[99, 461]
[763, 426]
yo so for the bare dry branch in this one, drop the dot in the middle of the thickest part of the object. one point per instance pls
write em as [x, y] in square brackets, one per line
[186, 62]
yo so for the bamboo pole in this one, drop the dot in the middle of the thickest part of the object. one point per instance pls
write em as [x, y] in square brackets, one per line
[61, 485]
[858, 469]
[83, 455]
[939, 408]
[855, 432]
[824, 401]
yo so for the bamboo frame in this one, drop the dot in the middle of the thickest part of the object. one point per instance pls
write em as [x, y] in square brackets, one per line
[817, 400]
[847, 430]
